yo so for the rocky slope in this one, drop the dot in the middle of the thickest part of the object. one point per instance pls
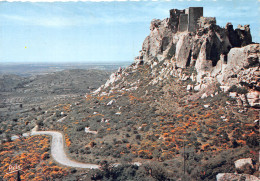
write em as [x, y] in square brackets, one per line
[202, 84]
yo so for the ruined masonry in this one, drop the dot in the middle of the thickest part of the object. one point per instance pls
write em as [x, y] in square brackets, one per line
[187, 19]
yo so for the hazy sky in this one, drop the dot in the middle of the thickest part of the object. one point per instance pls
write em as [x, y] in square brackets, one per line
[99, 31]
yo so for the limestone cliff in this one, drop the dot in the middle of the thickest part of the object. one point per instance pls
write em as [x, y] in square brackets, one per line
[187, 40]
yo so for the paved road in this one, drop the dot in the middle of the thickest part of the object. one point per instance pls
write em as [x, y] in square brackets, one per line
[58, 153]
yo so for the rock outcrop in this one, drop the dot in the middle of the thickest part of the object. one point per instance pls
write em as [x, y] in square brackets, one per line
[208, 42]
[222, 55]
[242, 67]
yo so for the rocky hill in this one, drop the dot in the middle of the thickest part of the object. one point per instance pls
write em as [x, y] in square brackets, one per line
[187, 108]
[217, 55]
[195, 87]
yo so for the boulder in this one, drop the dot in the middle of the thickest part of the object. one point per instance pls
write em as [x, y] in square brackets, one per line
[253, 98]
[224, 88]
[233, 176]
[193, 77]
[189, 87]
[204, 95]
[242, 162]
[243, 57]
[242, 66]
[197, 87]
[110, 102]
[233, 94]
[119, 70]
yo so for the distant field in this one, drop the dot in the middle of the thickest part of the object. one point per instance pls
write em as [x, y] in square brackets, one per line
[29, 69]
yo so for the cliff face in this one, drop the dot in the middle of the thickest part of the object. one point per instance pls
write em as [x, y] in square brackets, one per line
[206, 49]
[219, 55]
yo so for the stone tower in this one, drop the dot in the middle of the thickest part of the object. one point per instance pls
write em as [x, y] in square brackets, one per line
[185, 20]
[194, 14]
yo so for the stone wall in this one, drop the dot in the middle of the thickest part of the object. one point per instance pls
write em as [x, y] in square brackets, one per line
[183, 22]
[174, 18]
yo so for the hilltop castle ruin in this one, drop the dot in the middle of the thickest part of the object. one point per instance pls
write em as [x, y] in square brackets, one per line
[179, 38]
[185, 20]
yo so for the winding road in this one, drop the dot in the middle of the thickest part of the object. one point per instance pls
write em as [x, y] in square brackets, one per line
[58, 153]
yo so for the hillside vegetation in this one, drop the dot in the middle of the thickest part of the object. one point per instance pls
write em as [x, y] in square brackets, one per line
[186, 109]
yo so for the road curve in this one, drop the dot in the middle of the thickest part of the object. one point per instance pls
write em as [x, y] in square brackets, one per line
[58, 153]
